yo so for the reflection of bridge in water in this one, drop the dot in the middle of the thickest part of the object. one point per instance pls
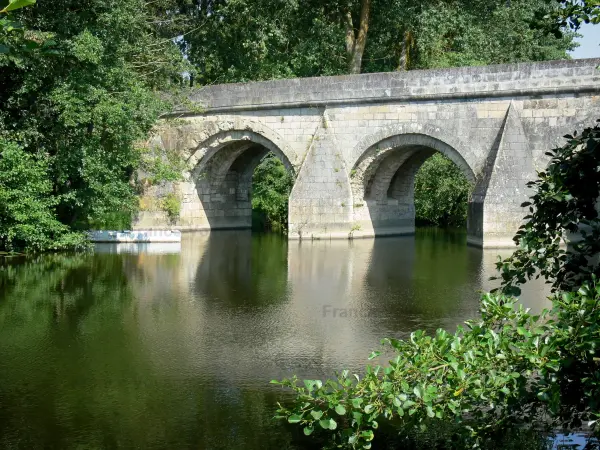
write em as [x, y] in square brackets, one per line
[256, 305]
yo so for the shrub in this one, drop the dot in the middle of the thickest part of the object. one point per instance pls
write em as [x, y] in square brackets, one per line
[441, 193]
[171, 204]
[27, 218]
[271, 187]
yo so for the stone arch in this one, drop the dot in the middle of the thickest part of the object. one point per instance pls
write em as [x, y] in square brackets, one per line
[217, 134]
[221, 158]
[424, 134]
[385, 157]
[385, 165]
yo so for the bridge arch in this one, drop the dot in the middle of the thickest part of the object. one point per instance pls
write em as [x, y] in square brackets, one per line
[220, 168]
[429, 134]
[384, 170]
[217, 134]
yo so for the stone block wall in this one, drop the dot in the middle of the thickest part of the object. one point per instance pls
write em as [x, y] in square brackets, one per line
[353, 174]
[320, 203]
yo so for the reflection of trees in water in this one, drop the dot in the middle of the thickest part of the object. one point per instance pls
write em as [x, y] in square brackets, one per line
[173, 351]
[222, 299]
[429, 280]
[66, 287]
[243, 269]
[57, 314]
[77, 373]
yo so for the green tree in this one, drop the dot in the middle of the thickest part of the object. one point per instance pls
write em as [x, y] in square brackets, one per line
[26, 204]
[441, 193]
[244, 40]
[271, 187]
[420, 35]
[83, 97]
[484, 34]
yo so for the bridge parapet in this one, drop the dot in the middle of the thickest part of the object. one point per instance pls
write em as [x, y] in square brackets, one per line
[505, 80]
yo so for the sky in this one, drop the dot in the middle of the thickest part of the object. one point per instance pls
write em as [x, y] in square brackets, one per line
[589, 43]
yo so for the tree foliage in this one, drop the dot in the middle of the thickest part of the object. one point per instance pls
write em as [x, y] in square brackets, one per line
[271, 187]
[507, 368]
[243, 40]
[26, 204]
[441, 193]
[78, 95]
[570, 15]
[561, 236]
[421, 35]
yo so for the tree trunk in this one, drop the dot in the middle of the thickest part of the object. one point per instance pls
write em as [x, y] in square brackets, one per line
[405, 46]
[349, 34]
[359, 39]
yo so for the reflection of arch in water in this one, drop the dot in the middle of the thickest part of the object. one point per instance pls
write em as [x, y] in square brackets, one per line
[239, 268]
[384, 173]
[429, 280]
[218, 186]
[330, 305]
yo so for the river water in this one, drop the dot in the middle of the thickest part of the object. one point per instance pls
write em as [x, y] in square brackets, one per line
[168, 346]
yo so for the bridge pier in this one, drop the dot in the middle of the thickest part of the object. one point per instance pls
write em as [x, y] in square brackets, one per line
[495, 211]
[320, 205]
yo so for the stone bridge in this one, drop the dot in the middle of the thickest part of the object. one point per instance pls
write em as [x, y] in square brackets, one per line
[354, 144]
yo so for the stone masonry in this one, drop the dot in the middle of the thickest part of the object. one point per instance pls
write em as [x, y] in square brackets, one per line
[355, 143]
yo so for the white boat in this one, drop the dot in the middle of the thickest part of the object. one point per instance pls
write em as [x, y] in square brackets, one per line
[135, 236]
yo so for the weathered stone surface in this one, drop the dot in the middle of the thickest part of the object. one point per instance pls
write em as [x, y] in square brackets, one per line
[357, 141]
[321, 201]
[496, 211]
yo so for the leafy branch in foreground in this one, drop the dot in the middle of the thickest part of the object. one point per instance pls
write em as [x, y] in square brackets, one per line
[480, 370]
[570, 15]
[16, 4]
[10, 27]
[503, 370]
[508, 369]
[561, 237]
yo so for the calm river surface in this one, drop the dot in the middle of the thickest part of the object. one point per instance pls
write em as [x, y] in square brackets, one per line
[168, 346]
